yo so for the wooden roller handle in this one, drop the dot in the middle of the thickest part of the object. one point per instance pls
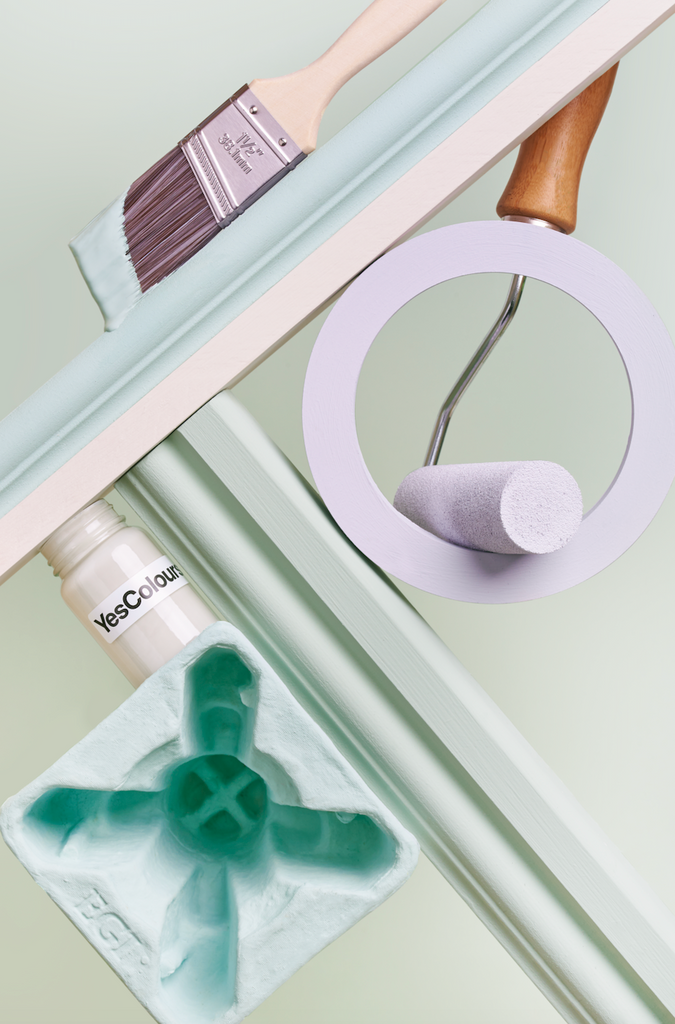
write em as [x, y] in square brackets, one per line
[546, 176]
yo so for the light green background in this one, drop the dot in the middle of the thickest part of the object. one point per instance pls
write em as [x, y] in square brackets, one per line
[93, 94]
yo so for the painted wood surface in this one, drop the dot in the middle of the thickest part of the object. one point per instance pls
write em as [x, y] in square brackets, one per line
[486, 809]
[410, 153]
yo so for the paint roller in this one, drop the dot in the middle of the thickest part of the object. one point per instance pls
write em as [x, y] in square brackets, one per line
[513, 507]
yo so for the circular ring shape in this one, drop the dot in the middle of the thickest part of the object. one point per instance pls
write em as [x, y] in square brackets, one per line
[329, 411]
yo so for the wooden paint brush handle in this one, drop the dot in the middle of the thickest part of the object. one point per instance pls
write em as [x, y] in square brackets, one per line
[298, 100]
[545, 180]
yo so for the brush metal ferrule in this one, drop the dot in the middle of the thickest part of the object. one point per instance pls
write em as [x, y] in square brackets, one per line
[237, 153]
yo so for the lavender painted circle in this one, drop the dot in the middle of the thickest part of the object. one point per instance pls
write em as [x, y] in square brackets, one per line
[329, 411]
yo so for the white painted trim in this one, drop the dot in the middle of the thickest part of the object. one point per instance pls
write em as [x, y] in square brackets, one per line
[173, 320]
[438, 178]
[492, 816]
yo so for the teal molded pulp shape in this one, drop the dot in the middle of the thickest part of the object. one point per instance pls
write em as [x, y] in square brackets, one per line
[207, 838]
[178, 316]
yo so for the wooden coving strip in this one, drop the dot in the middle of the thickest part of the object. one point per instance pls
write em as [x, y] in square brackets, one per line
[512, 840]
[475, 147]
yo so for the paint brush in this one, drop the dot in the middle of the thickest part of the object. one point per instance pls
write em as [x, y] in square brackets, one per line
[225, 164]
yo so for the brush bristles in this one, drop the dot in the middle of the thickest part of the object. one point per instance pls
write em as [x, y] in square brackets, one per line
[166, 219]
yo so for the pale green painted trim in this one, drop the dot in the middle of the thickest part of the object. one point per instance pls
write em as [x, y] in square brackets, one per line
[101, 253]
[496, 821]
[306, 208]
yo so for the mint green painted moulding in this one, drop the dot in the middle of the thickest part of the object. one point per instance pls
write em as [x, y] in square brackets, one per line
[174, 319]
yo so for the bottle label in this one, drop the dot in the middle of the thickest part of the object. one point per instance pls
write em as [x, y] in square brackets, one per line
[137, 596]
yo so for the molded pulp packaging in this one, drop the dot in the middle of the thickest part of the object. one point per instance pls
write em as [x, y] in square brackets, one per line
[207, 838]
[130, 597]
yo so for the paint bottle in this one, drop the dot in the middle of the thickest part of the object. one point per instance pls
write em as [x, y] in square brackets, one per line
[131, 598]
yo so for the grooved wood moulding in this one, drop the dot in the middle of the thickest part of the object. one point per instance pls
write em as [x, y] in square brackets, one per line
[499, 825]
[417, 147]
